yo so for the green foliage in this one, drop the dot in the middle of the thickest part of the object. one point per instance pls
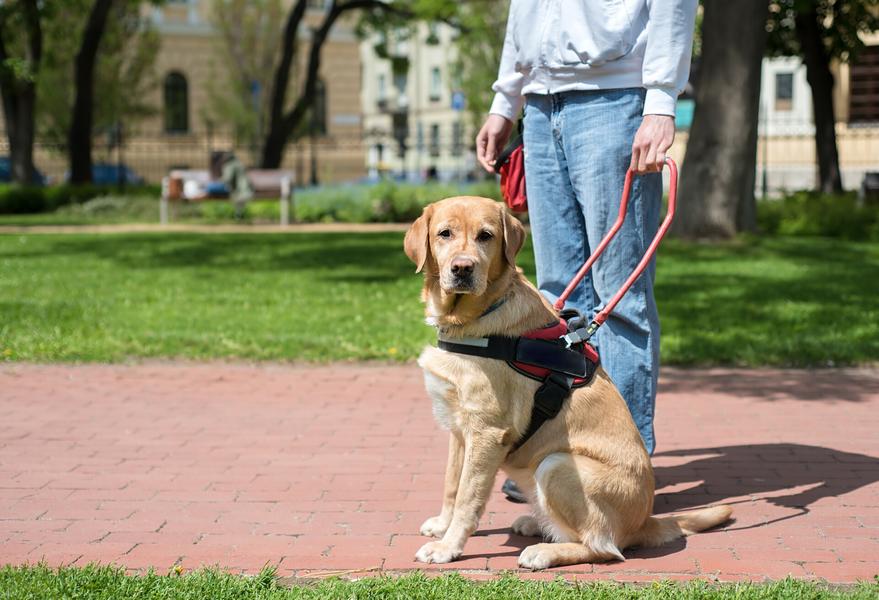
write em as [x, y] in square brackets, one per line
[20, 66]
[250, 33]
[841, 21]
[22, 199]
[17, 199]
[809, 213]
[124, 71]
[93, 297]
[95, 582]
[386, 202]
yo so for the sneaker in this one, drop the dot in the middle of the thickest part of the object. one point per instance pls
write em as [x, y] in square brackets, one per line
[513, 493]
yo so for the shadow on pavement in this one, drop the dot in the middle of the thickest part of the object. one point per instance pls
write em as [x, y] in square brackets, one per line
[719, 474]
[814, 385]
[775, 473]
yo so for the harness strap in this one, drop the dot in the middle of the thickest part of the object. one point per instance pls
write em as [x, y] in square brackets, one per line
[548, 401]
[540, 353]
[565, 367]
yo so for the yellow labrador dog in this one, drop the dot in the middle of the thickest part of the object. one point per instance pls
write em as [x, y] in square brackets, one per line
[586, 472]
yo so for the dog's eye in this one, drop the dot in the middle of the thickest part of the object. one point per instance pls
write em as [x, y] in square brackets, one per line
[445, 233]
[484, 236]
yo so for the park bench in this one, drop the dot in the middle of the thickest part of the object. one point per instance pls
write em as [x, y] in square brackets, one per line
[185, 185]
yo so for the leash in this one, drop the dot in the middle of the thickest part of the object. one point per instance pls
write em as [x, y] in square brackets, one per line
[585, 333]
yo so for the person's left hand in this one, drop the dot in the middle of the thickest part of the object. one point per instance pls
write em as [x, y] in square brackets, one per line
[654, 138]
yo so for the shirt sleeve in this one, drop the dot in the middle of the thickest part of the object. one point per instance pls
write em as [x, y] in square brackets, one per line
[508, 98]
[667, 56]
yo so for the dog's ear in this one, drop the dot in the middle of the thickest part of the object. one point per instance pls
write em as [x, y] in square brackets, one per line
[416, 244]
[514, 236]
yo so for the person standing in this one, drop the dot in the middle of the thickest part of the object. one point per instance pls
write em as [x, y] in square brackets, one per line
[598, 81]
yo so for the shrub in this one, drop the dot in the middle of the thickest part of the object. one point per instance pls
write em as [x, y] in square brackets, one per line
[17, 199]
[809, 213]
[21, 199]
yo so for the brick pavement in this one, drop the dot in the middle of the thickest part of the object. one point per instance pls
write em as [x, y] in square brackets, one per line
[332, 469]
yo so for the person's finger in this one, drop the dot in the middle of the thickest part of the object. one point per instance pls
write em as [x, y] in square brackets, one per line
[482, 148]
[480, 145]
[660, 160]
[633, 164]
[642, 158]
[491, 152]
[650, 158]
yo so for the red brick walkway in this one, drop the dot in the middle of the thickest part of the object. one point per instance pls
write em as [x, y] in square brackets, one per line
[333, 469]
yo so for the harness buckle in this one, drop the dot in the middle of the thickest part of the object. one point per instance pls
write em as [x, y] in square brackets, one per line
[581, 335]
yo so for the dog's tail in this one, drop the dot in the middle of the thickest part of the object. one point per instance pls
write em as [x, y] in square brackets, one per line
[660, 530]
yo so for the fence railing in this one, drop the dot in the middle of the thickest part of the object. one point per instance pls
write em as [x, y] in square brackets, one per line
[788, 155]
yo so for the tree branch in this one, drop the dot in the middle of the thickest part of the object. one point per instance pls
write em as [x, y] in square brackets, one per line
[282, 73]
[35, 33]
[319, 36]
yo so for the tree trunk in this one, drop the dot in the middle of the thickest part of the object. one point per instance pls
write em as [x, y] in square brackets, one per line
[719, 170]
[821, 81]
[23, 169]
[273, 149]
[19, 96]
[276, 138]
[79, 137]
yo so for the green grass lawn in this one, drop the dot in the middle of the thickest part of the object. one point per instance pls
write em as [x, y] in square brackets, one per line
[106, 583]
[322, 297]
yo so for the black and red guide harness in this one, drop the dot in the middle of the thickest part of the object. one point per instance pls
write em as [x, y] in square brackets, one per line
[560, 355]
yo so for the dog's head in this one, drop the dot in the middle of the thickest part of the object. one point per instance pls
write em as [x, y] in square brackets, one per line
[465, 243]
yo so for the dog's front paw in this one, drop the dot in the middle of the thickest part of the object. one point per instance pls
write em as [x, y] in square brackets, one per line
[435, 527]
[536, 557]
[436, 552]
[526, 525]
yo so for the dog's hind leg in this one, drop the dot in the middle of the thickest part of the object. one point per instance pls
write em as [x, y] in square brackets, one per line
[570, 515]
[527, 525]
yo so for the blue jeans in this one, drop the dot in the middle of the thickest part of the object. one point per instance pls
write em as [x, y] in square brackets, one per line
[577, 148]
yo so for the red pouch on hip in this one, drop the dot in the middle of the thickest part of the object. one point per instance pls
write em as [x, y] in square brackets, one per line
[511, 166]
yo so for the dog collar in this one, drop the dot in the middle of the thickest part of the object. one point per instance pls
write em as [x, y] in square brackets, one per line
[497, 304]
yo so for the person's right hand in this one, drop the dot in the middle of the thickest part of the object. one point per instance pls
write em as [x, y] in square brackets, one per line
[491, 140]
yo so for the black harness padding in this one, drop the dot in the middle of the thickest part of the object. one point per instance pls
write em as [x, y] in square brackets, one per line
[539, 353]
[567, 368]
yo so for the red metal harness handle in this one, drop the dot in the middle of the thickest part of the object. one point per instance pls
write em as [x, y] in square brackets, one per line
[651, 250]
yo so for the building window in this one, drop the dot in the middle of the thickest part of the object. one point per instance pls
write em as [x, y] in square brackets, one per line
[457, 138]
[176, 103]
[436, 84]
[319, 109]
[864, 87]
[434, 140]
[382, 89]
[419, 137]
[433, 38]
[784, 91]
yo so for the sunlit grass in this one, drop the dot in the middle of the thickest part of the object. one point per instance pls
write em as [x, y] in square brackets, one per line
[19, 583]
[323, 297]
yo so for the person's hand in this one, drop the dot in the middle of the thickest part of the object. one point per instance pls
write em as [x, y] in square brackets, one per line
[491, 139]
[654, 138]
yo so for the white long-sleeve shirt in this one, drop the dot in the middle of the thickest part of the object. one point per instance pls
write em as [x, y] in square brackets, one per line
[554, 46]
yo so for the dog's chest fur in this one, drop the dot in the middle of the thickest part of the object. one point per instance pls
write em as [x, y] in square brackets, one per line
[445, 401]
[441, 371]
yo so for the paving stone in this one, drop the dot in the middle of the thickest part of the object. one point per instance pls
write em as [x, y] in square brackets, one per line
[239, 466]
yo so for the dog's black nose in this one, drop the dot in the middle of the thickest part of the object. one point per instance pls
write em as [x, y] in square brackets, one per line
[462, 267]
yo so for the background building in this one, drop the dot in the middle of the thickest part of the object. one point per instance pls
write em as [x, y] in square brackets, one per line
[182, 134]
[414, 119]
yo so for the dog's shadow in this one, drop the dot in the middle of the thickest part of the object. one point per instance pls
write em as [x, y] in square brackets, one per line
[792, 476]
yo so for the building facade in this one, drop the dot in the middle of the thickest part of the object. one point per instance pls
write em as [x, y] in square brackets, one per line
[786, 149]
[182, 134]
[415, 126]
